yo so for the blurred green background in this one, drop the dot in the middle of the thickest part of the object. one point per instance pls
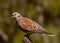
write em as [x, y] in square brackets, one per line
[45, 12]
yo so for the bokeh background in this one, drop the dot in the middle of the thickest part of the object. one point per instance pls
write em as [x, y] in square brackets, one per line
[44, 12]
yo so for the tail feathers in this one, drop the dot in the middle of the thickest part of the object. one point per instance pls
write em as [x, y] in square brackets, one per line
[49, 34]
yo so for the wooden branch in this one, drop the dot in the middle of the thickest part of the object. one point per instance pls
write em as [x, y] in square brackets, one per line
[27, 40]
[4, 36]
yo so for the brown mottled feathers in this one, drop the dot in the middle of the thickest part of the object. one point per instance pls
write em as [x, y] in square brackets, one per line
[26, 24]
[30, 25]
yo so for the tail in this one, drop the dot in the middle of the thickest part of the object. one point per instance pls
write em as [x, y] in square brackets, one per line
[49, 34]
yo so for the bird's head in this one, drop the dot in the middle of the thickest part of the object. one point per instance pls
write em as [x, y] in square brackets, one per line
[16, 15]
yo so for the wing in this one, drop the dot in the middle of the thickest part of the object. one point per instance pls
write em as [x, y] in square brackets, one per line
[30, 25]
[27, 24]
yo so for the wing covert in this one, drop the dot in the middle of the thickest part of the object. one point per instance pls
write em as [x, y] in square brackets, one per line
[27, 24]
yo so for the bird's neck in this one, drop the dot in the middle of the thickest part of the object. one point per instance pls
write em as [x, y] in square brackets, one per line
[18, 18]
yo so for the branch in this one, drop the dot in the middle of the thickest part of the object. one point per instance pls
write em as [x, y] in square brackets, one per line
[4, 36]
[27, 40]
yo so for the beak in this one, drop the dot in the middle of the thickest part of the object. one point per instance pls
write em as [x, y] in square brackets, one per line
[12, 17]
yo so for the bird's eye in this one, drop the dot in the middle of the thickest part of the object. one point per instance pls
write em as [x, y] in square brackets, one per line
[18, 16]
[15, 14]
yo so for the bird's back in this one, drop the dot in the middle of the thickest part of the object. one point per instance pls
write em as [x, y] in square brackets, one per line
[27, 24]
[30, 25]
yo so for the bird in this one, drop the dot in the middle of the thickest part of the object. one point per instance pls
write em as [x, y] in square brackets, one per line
[29, 25]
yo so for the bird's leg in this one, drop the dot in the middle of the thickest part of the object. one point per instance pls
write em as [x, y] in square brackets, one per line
[28, 34]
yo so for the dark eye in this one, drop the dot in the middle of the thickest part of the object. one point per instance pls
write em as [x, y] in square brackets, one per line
[18, 16]
[15, 14]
